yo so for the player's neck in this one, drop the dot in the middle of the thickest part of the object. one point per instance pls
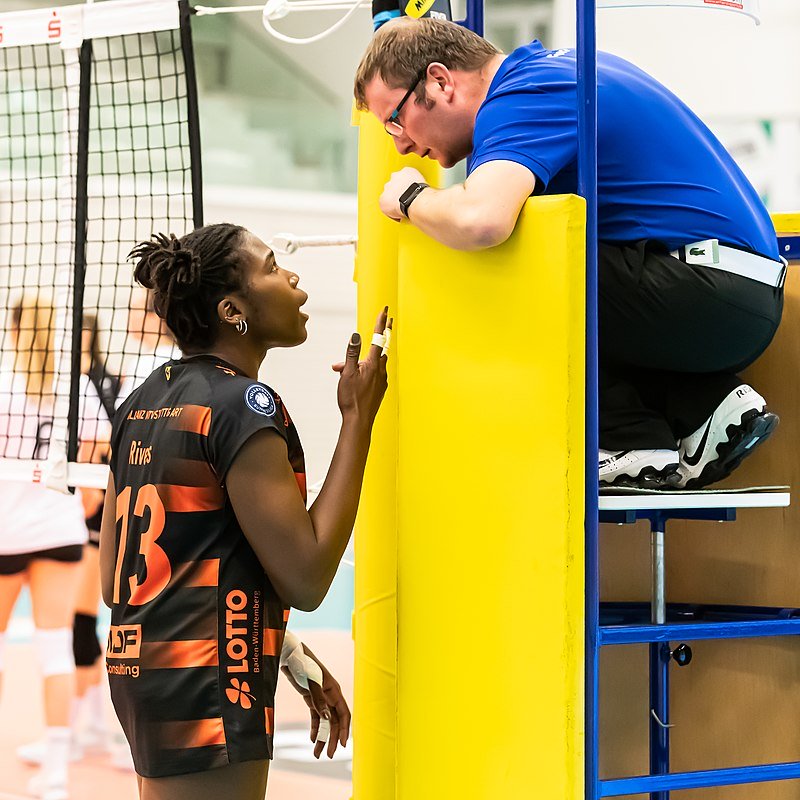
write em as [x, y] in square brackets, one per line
[245, 362]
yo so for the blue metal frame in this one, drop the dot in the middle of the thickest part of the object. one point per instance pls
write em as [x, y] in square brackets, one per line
[587, 188]
[790, 247]
[474, 19]
[700, 780]
[660, 782]
[744, 622]
[683, 622]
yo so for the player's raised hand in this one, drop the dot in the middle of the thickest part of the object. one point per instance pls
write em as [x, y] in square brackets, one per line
[363, 383]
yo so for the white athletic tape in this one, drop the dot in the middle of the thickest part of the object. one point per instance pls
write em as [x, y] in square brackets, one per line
[379, 339]
[301, 667]
[290, 641]
[324, 732]
[54, 651]
[387, 334]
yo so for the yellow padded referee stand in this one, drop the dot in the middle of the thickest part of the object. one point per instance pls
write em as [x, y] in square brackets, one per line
[375, 615]
[469, 614]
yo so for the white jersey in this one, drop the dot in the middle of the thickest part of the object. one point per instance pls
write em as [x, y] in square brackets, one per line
[35, 517]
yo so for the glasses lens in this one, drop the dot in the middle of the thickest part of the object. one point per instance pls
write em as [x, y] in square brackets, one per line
[393, 129]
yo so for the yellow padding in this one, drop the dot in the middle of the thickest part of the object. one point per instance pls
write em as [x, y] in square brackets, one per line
[375, 618]
[786, 223]
[490, 501]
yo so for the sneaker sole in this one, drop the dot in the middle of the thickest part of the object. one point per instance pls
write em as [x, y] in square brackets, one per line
[754, 428]
[648, 478]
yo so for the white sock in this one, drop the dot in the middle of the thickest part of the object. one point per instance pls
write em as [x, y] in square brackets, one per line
[94, 703]
[56, 761]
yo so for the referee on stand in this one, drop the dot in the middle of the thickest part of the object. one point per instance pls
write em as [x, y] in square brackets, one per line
[690, 280]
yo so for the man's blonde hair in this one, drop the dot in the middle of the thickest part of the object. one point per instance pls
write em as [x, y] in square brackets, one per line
[401, 50]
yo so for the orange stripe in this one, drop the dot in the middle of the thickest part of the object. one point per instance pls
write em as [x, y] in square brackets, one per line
[269, 720]
[191, 498]
[180, 654]
[273, 640]
[191, 733]
[193, 574]
[285, 615]
[300, 477]
[194, 419]
[189, 472]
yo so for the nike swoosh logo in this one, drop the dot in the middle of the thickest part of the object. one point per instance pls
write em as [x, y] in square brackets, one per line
[694, 460]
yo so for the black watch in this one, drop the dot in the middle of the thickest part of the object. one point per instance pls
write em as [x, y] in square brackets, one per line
[410, 195]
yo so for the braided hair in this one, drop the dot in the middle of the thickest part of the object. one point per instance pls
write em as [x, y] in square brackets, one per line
[189, 276]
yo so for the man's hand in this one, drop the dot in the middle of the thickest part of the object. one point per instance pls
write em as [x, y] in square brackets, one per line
[324, 702]
[395, 186]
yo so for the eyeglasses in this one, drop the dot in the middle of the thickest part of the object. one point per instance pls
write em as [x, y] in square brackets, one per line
[392, 126]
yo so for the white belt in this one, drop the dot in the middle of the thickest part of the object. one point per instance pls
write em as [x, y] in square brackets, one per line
[710, 253]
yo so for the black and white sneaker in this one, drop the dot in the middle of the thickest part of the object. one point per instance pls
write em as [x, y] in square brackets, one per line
[643, 469]
[738, 425]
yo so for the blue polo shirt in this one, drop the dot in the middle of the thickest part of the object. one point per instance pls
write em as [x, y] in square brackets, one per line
[661, 173]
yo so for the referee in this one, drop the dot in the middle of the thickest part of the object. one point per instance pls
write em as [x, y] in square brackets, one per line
[690, 280]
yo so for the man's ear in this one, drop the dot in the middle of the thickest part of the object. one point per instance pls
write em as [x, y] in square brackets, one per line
[443, 78]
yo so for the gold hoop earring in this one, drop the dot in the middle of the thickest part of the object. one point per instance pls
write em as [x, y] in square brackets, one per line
[241, 326]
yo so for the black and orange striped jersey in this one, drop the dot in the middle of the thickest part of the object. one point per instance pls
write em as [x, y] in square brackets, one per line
[196, 626]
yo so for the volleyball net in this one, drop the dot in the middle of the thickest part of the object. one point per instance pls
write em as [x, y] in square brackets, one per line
[99, 148]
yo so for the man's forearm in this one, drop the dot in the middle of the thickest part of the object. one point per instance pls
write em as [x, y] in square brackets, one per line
[450, 217]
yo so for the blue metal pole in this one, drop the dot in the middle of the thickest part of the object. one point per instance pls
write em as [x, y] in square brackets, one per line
[659, 714]
[587, 187]
[474, 18]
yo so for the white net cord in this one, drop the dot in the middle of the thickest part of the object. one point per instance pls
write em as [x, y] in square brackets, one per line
[277, 9]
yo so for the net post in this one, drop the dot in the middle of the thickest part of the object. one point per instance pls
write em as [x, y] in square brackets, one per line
[81, 223]
[193, 116]
[55, 475]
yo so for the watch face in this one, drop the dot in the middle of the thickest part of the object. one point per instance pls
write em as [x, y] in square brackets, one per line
[409, 195]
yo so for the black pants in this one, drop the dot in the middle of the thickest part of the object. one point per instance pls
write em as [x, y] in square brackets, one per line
[672, 338]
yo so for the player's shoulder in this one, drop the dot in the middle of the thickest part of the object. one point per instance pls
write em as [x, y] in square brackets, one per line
[230, 393]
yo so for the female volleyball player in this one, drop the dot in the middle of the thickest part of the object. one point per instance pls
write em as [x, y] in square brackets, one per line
[206, 540]
[43, 531]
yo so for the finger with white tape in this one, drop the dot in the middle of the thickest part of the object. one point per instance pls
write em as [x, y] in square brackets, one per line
[387, 340]
[379, 339]
[324, 732]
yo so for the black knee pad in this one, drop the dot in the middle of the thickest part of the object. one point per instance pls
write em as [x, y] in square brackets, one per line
[85, 644]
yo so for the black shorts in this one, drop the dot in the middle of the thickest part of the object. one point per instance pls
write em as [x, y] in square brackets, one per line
[14, 564]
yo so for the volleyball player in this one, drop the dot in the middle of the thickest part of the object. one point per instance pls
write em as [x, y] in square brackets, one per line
[206, 540]
[41, 542]
[89, 701]
[149, 343]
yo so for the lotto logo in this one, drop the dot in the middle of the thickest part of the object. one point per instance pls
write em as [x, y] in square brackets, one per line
[239, 692]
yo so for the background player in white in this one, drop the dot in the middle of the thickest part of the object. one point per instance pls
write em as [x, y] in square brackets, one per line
[149, 343]
[43, 533]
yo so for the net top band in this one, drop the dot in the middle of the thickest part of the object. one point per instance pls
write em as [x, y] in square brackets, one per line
[68, 26]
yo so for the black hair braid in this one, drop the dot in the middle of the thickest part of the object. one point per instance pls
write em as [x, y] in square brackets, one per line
[189, 276]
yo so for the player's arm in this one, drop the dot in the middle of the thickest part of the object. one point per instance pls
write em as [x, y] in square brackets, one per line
[108, 535]
[479, 213]
[300, 549]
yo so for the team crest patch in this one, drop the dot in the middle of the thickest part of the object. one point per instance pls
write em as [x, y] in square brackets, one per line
[258, 399]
